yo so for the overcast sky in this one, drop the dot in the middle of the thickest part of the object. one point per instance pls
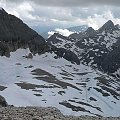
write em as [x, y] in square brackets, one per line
[64, 13]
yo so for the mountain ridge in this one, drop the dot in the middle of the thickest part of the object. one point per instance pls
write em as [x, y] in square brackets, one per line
[95, 45]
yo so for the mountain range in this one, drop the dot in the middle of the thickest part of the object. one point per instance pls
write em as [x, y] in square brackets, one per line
[74, 29]
[78, 74]
[95, 48]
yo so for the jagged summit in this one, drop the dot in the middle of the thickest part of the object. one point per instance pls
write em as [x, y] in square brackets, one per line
[109, 25]
[56, 37]
[90, 31]
[12, 28]
[109, 22]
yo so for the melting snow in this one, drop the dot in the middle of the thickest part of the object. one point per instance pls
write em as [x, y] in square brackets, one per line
[80, 81]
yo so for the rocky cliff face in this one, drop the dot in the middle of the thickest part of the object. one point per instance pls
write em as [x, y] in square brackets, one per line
[3, 102]
[15, 34]
[108, 26]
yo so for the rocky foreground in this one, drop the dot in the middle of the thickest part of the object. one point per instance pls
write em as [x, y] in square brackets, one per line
[40, 113]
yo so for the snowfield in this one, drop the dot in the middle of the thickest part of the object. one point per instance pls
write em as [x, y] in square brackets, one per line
[46, 81]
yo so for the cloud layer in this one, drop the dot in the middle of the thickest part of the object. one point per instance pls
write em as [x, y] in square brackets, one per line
[47, 14]
[71, 3]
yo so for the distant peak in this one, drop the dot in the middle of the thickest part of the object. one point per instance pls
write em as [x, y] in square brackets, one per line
[57, 34]
[109, 22]
[109, 25]
[90, 29]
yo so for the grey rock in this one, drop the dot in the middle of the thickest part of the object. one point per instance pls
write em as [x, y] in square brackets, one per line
[3, 102]
[15, 34]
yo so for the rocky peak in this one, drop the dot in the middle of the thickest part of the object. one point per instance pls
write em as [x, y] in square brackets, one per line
[56, 38]
[57, 35]
[15, 34]
[90, 31]
[109, 25]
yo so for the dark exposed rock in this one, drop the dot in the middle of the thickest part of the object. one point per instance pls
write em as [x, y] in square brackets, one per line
[67, 54]
[111, 62]
[108, 26]
[4, 49]
[117, 26]
[76, 36]
[88, 33]
[3, 102]
[55, 38]
[29, 56]
[15, 34]
[62, 52]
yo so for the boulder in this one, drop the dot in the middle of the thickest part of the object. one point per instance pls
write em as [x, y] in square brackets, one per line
[3, 102]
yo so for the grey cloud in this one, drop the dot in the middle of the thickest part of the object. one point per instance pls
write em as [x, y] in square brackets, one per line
[64, 13]
[72, 3]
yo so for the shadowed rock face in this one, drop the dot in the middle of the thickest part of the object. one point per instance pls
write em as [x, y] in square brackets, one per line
[3, 102]
[15, 34]
[111, 62]
[67, 54]
[62, 51]
[88, 33]
[108, 26]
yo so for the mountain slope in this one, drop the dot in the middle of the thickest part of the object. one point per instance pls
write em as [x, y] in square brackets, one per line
[15, 34]
[94, 48]
[75, 89]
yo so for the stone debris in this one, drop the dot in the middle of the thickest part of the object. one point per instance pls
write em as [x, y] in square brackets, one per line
[41, 113]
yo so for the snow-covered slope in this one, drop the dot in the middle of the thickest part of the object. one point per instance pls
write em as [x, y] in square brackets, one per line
[46, 81]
